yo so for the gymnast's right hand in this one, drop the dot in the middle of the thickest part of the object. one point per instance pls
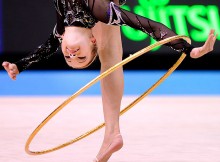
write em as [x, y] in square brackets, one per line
[11, 69]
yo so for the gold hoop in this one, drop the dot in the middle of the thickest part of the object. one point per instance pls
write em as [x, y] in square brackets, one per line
[95, 80]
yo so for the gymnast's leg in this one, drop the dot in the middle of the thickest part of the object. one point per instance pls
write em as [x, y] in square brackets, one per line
[110, 53]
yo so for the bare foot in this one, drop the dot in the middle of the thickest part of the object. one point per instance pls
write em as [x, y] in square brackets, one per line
[206, 48]
[114, 146]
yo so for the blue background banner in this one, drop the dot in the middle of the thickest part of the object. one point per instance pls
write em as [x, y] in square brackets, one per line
[59, 83]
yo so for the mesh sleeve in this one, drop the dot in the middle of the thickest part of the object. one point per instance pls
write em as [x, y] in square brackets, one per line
[42, 52]
[112, 14]
[45, 50]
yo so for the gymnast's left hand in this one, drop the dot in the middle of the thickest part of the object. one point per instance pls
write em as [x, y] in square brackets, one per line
[207, 47]
[11, 69]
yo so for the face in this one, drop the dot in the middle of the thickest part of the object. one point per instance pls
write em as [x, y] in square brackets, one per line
[78, 49]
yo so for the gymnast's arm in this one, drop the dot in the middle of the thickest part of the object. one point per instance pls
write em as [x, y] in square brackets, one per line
[43, 52]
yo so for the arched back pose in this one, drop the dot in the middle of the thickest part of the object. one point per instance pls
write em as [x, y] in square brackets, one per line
[74, 31]
[75, 20]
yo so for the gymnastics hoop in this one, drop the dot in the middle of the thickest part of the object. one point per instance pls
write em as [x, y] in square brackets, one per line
[95, 80]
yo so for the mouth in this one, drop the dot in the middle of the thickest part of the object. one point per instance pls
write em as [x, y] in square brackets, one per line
[72, 51]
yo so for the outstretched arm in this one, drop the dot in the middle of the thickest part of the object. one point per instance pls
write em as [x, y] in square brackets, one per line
[43, 52]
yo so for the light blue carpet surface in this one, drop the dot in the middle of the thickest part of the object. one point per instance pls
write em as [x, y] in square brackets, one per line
[136, 82]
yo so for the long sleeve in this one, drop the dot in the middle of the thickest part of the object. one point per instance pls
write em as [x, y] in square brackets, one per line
[114, 15]
[42, 52]
[45, 50]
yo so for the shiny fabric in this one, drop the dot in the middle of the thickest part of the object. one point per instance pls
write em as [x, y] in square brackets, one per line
[86, 13]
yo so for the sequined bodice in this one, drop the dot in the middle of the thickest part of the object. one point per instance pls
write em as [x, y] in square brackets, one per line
[75, 13]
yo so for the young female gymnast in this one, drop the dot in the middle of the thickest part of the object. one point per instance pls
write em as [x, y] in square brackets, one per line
[75, 20]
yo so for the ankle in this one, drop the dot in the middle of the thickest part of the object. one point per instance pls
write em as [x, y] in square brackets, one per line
[115, 145]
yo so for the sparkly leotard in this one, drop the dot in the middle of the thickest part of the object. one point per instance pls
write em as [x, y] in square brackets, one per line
[86, 13]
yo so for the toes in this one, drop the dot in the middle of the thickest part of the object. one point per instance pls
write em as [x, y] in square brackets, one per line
[209, 44]
[212, 31]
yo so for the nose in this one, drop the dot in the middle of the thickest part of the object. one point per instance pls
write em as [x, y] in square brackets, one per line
[73, 52]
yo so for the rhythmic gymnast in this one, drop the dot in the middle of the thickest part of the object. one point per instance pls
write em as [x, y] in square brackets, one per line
[74, 32]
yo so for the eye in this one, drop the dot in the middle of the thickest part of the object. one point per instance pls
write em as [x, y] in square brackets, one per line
[82, 58]
[68, 57]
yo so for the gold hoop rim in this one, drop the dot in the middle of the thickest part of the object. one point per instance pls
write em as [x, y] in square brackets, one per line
[95, 80]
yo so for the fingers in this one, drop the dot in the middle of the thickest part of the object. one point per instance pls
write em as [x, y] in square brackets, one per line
[5, 64]
[11, 69]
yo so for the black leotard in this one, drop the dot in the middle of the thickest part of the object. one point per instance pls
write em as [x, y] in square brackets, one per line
[86, 13]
